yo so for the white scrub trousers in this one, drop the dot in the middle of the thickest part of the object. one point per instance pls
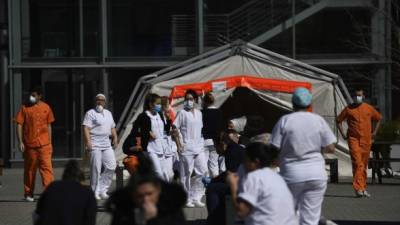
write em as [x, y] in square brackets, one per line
[211, 157]
[193, 163]
[308, 197]
[101, 181]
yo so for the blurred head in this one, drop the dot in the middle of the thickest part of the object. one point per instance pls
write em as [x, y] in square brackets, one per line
[165, 103]
[301, 99]
[35, 95]
[152, 103]
[73, 172]
[226, 138]
[146, 188]
[208, 100]
[259, 155]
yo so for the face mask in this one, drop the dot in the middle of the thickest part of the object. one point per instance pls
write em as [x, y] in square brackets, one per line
[157, 108]
[188, 104]
[358, 99]
[32, 99]
[99, 108]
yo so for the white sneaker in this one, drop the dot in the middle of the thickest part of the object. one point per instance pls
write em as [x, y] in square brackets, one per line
[97, 196]
[190, 205]
[29, 199]
[104, 196]
[198, 204]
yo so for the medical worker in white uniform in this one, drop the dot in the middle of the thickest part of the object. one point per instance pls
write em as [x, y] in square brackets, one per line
[302, 137]
[189, 123]
[98, 126]
[158, 146]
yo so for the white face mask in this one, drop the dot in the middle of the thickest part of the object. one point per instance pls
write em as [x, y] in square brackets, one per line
[32, 99]
[189, 104]
[99, 108]
[358, 99]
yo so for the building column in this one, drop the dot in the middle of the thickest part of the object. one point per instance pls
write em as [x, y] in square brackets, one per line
[380, 45]
[15, 76]
[200, 26]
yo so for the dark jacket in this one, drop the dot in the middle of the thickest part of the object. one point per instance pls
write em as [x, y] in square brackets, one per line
[212, 123]
[234, 157]
[141, 129]
[66, 203]
[170, 212]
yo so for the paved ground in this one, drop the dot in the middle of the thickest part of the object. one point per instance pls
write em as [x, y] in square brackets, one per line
[339, 204]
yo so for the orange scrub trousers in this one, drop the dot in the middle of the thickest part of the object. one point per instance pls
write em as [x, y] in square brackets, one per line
[359, 120]
[35, 121]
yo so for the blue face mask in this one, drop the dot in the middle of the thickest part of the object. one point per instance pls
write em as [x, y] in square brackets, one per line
[157, 108]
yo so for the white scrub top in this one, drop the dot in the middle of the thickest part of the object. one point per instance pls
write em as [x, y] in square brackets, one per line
[270, 198]
[190, 126]
[159, 144]
[100, 125]
[301, 136]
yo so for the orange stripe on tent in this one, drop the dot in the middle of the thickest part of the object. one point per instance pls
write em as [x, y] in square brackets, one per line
[285, 86]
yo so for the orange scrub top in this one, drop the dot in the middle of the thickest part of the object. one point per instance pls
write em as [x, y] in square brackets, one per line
[359, 120]
[35, 120]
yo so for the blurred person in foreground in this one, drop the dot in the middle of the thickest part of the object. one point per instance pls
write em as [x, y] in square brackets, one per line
[260, 195]
[67, 202]
[147, 199]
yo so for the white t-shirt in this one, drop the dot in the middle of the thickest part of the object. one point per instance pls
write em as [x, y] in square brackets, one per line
[301, 136]
[270, 198]
[158, 145]
[100, 125]
[190, 125]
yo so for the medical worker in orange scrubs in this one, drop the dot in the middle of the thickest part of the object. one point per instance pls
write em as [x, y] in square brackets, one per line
[34, 135]
[360, 135]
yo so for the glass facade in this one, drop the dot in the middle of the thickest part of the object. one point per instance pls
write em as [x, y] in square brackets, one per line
[60, 28]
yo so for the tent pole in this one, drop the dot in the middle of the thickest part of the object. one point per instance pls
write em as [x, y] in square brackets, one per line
[131, 97]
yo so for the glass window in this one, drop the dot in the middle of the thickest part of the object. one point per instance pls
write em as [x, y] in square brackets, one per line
[51, 28]
[143, 28]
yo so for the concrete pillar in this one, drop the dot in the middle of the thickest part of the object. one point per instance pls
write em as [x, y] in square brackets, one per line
[380, 45]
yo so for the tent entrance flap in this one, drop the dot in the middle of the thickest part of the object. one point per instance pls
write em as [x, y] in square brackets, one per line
[244, 102]
[248, 81]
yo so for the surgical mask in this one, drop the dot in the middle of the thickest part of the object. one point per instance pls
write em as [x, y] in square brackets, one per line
[358, 99]
[32, 99]
[157, 108]
[188, 104]
[99, 108]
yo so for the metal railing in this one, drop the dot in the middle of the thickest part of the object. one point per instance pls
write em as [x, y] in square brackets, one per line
[246, 22]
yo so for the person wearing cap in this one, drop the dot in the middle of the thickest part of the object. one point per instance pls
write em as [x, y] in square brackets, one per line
[98, 125]
[301, 137]
[359, 117]
[34, 134]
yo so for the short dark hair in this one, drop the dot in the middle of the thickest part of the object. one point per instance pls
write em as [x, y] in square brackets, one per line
[266, 154]
[192, 93]
[150, 99]
[209, 99]
[73, 172]
[164, 100]
[36, 89]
